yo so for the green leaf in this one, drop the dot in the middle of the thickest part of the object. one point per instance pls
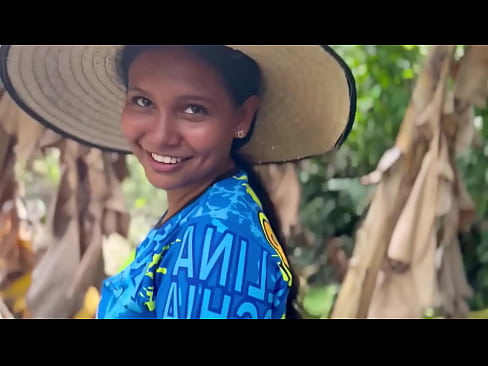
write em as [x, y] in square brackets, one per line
[140, 202]
[319, 301]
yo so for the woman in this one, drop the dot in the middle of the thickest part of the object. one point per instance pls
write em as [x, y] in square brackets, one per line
[196, 118]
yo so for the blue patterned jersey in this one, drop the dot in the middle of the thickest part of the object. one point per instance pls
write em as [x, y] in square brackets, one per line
[217, 258]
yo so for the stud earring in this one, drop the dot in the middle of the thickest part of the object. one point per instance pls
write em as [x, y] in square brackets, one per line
[240, 134]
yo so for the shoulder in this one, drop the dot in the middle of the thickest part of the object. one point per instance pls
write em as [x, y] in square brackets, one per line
[231, 211]
[230, 220]
[230, 205]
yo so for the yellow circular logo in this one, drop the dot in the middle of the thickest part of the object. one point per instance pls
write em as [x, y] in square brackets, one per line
[271, 237]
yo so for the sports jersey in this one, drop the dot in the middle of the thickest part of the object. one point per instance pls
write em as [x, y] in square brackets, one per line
[216, 258]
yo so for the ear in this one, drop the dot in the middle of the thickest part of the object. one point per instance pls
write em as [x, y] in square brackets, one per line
[245, 116]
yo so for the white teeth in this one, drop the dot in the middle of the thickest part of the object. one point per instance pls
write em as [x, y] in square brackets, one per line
[166, 159]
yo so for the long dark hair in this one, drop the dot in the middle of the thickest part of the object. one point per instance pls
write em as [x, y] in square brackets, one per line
[242, 78]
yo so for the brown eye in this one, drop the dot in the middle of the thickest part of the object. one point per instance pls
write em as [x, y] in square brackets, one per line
[195, 109]
[142, 102]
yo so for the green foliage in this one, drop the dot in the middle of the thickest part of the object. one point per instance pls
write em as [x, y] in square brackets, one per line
[474, 166]
[385, 79]
[42, 176]
[318, 302]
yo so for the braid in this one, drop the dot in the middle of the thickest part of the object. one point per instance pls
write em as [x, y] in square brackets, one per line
[270, 212]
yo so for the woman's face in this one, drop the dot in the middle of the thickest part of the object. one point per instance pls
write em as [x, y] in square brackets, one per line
[180, 120]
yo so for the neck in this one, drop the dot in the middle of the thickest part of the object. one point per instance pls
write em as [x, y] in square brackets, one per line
[179, 198]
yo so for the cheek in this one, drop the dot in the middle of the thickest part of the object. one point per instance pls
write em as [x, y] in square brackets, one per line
[130, 127]
[211, 140]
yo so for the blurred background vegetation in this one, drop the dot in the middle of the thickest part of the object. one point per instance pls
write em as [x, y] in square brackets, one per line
[333, 199]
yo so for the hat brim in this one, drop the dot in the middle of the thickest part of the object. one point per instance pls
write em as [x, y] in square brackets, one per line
[308, 102]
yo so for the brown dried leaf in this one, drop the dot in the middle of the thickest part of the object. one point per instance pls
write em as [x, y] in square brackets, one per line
[445, 188]
[18, 124]
[55, 272]
[282, 184]
[461, 284]
[388, 159]
[467, 208]
[91, 268]
[472, 76]
[465, 132]
[445, 283]
[79, 219]
[450, 224]
[8, 185]
[372, 178]
[462, 309]
[371, 242]
[28, 136]
[407, 134]
[4, 311]
[400, 248]
[424, 273]
[7, 143]
[9, 250]
[350, 298]
[54, 275]
[8, 112]
[394, 296]
[448, 107]
[445, 169]
[444, 201]
[371, 245]
[119, 164]
[452, 280]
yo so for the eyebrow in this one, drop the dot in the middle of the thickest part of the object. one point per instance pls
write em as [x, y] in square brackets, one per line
[197, 98]
[137, 89]
[182, 97]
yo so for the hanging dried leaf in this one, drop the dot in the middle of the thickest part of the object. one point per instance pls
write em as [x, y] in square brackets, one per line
[471, 77]
[395, 251]
[400, 248]
[16, 255]
[4, 311]
[438, 270]
[87, 207]
[389, 158]
[281, 182]
[370, 248]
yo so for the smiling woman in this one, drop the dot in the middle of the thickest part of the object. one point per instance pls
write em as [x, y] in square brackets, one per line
[196, 118]
[180, 120]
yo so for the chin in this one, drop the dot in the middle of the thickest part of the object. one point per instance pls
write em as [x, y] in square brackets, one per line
[162, 182]
[168, 182]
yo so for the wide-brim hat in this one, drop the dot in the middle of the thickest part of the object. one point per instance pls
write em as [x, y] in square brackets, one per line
[307, 107]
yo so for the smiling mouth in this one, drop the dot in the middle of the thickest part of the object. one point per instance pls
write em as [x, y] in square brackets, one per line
[167, 159]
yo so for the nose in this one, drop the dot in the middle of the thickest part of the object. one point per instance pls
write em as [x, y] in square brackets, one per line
[165, 130]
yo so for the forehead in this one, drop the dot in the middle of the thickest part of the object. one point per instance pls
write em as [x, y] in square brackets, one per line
[174, 65]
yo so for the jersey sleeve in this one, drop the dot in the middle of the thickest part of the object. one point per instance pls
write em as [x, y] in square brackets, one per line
[211, 271]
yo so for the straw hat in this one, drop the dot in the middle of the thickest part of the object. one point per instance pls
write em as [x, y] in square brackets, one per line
[308, 101]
